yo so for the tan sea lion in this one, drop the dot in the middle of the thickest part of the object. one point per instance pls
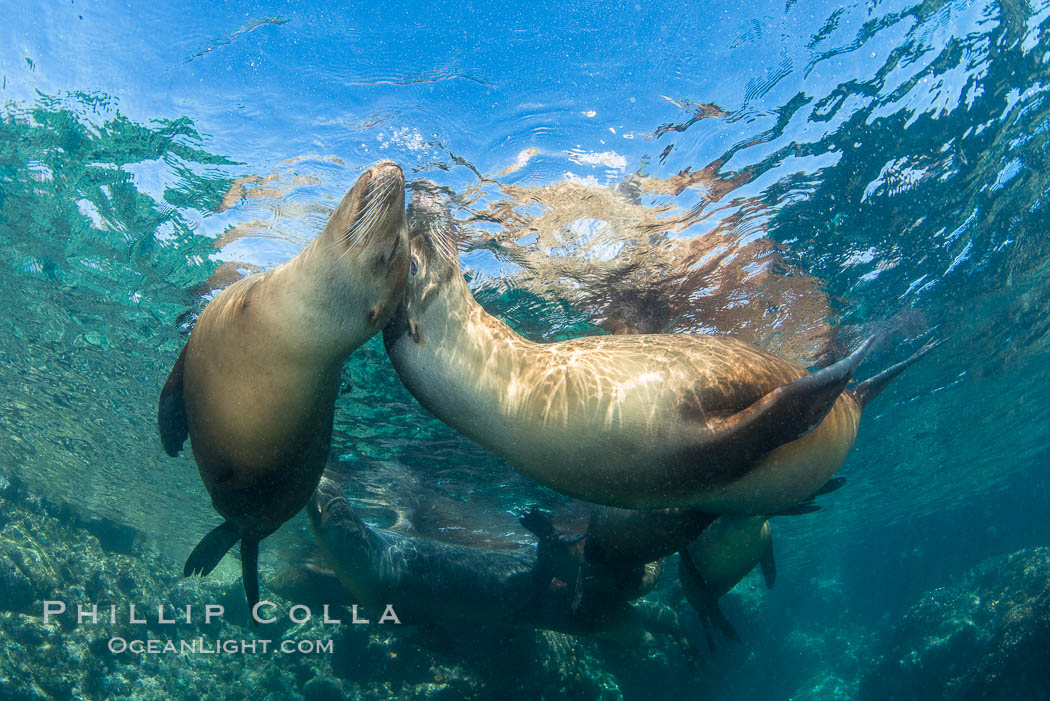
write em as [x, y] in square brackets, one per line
[255, 386]
[636, 421]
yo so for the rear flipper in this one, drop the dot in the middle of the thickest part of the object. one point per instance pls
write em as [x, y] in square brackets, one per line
[703, 599]
[832, 485]
[539, 524]
[872, 387]
[788, 412]
[808, 506]
[210, 550]
[769, 566]
[250, 572]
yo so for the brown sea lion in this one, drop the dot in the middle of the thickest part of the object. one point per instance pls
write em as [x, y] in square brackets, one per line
[637, 421]
[255, 386]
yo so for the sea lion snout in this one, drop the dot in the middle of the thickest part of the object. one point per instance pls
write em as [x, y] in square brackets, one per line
[386, 169]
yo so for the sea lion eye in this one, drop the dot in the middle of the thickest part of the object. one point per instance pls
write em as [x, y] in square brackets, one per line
[412, 267]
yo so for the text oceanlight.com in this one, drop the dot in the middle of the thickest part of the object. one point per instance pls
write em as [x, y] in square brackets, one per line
[205, 646]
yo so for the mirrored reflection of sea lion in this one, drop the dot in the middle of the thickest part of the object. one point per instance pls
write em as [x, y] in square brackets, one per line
[255, 386]
[636, 421]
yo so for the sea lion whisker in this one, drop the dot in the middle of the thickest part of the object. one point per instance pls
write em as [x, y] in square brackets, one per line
[368, 215]
[370, 212]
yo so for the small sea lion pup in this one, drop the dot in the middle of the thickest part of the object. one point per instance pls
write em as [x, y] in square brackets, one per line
[641, 422]
[255, 386]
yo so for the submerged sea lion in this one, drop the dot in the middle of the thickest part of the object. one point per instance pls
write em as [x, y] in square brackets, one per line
[642, 421]
[425, 581]
[718, 559]
[429, 582]
[255, 386]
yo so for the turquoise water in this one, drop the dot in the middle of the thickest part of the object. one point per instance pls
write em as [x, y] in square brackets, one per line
[800, 175]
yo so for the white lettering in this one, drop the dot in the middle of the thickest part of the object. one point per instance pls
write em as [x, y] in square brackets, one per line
[300, 607]
[259, 605]
[389, 615]
[160, 615]
[212, 611]
[326, 619]
[53, 608]
[82, 614]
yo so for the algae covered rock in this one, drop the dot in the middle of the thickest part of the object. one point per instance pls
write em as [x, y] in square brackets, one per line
[986, 638]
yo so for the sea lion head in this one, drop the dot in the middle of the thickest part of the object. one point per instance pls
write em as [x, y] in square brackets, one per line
[433, 269]
[367, 238]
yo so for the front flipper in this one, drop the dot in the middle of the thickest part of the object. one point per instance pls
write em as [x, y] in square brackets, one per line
[537, 523]
[210, 550]
[171, 411]
[808, 506]
[769, 566]
[803, 507]
[788, 412]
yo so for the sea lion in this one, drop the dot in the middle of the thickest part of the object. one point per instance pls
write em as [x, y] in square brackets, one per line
[432, 583]
[425, 581]
[254, 388]
[718, 559]
[635, 421]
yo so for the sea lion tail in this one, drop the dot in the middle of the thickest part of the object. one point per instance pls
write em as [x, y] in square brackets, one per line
[210, 550]
[872, 387]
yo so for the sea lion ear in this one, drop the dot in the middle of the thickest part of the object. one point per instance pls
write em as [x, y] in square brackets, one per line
[171, 411]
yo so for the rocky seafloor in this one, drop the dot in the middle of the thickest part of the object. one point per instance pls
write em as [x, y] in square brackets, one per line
[986, 637]
[47, 552]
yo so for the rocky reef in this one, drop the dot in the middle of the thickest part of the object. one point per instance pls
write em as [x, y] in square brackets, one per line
[988, 637]
[49, 553]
